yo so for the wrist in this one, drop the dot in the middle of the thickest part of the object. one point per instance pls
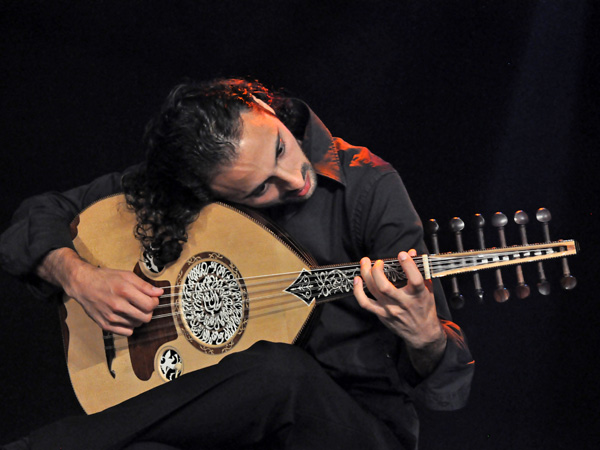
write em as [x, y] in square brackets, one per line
[426, 353]
[428, 336]
[61, 267]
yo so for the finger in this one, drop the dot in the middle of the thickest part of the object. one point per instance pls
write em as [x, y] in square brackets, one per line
[147, 288]
[412, 272]
[138, 308]
[142, 295]
[128, 306]
[359, 291]
[128, 327]
[365, 271]
[122, 331]
[363, 300]
[412, 253]
[112, 322]
[380, 279]
[144, 287]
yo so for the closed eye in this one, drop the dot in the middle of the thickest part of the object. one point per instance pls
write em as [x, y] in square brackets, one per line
[264, 187]
[260, 190]
[280, 149]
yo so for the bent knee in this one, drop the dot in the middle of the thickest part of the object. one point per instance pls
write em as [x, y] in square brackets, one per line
[283, 359]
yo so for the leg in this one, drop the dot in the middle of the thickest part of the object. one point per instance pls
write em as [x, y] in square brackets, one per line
[271, 393]
[284, 398]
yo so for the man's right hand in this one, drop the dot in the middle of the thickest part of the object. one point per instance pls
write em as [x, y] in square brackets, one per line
[117, 300]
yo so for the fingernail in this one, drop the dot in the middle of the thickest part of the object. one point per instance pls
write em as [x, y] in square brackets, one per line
[403, 256]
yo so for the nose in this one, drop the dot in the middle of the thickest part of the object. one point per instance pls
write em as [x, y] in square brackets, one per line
[292, 179]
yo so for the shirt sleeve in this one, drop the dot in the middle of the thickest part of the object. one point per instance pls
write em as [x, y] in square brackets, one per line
[391, 224]
[42, 224]
[448, 386]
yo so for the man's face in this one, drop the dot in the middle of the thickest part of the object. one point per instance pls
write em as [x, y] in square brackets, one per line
[270, 167]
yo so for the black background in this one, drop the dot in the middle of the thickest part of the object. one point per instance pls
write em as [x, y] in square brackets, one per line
[482, 106]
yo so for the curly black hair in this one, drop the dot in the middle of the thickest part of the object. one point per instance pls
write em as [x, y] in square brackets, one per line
[196, 132]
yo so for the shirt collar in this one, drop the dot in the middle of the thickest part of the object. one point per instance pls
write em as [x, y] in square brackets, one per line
[318, 145]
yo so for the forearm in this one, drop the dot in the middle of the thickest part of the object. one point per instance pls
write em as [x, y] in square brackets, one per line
[41, 224]
[59, 267]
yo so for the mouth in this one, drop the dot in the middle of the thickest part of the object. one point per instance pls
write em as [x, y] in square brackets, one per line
[309, 186]
[302, 192]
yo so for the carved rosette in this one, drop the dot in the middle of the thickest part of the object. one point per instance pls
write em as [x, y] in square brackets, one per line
[212, 302]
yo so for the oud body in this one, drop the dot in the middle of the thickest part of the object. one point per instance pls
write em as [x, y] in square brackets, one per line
[106, 369]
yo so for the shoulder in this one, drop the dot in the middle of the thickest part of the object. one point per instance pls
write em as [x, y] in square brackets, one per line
[359, 164]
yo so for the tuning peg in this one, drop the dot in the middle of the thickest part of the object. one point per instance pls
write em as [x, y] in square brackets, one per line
[522, 219]
[479, 222]
[501, 294]
[432, 228]
[567, 281]
[457, 300]
[543, 216]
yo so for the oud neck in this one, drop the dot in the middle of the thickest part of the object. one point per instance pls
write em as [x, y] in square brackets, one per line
[328, 283]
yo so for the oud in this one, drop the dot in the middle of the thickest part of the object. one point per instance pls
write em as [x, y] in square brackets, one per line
[231, 287]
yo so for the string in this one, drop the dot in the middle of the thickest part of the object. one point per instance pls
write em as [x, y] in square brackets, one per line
[434, 262]
[275, 281]
[293, 303]
[252, 314]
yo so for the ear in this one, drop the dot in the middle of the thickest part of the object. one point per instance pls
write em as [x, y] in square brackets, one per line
[263, 105]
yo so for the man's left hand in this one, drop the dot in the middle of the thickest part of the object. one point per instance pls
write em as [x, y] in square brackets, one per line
[409, 312]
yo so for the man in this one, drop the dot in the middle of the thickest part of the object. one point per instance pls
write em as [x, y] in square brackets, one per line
[351, 385]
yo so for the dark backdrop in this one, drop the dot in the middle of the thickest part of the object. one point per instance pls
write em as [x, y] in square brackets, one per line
[481, 105]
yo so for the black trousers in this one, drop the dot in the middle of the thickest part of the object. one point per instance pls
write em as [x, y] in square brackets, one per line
[269, 396]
